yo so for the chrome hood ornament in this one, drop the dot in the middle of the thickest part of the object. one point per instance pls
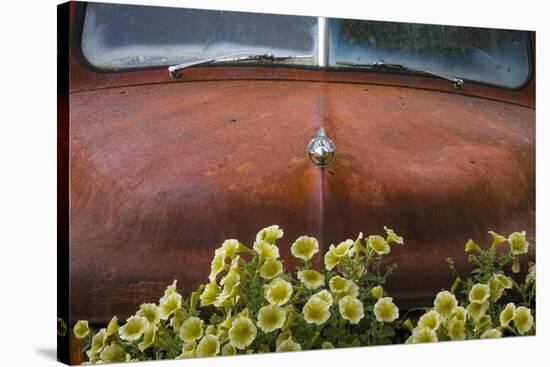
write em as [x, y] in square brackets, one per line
[321, 149]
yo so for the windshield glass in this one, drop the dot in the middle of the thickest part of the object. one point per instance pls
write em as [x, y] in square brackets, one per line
[118, 36]
[490, 56]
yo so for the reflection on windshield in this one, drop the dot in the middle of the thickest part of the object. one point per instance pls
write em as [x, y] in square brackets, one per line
[487, 55]
[129, 36]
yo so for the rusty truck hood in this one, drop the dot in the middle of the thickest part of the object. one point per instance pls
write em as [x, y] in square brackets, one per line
[162, 174]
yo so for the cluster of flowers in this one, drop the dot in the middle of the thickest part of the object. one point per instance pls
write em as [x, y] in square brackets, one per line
[255, 306]
[481, 314]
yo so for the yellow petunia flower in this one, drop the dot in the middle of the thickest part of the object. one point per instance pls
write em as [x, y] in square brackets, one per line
[385, 310]
[228, 350]
[177, 320]
[424, 335]
[230, 287]
[392, 237]
[331, 260]
[291, 317]
[191, 329]
[278, 292]
[327, 345]
[242, 332]
[112, 328]
[211, 330]
[210, 294]
[266, 250]
[523, 320]
[491, 334]
[431, 320]
[271, 317]
[324, 296]
[456, 330]
[351, 309]
[483, 323]
[81, 329]
[531, 275]
[305, 247]
[515, 265]
[271, 268]
[507, 314]
[217, 265]
[232, 248]
[150, 311]
[188, 350]
[289, 345]
[459, 313]
[226, 324]
[270, 234]
[338, 284]
[506, 281]
[479, 293]
[171, 288]
[316, 311]
[311, 279]
[476, 310]
[377, 292]
[92, 358]
[209, 346]
[98, 342]
[244, 313]
[518, 243]
[343, 287]
[353, 290]
[497, 239]
[497, 289]
[444, 303]
[357, 245]
[148, 338]
[282, 337]
[378, 244]
[471, 246]
[134, 328]
[113, 353]
[231, 279]
[335, 254]
[169, 304]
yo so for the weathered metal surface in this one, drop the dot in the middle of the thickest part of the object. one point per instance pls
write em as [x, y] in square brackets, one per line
[84, 79]
[163, 173]
[435, 167]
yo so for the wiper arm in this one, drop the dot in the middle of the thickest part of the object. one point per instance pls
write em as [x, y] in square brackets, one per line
[175, 70]
[458, 83]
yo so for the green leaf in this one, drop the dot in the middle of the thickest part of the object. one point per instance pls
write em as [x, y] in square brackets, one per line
[387, 331]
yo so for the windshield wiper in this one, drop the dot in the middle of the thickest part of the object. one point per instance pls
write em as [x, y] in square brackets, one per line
[175, 70]
[458, 83]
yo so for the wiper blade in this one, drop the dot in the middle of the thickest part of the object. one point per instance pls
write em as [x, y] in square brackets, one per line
[458, 83]
[175, 70]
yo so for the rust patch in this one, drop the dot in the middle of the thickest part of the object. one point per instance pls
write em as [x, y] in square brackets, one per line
[210, 173]
[245, 166]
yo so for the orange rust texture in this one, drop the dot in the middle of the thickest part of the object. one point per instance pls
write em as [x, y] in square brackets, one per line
[162, 174]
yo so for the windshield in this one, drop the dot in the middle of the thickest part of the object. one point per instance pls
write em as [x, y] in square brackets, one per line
[491, 56]
[116, 37]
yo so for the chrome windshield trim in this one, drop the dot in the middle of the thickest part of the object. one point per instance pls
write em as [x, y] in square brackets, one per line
[322, 44]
